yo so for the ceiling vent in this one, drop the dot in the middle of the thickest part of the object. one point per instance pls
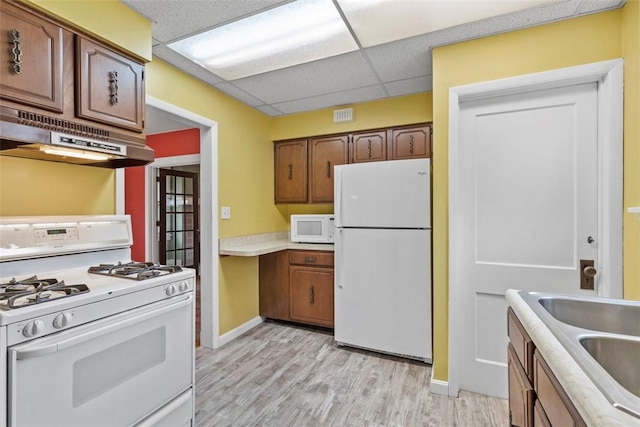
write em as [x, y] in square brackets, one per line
[344, 115]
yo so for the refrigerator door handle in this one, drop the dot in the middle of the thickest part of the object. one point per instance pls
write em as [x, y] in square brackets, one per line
[337, 190]
[338, 259]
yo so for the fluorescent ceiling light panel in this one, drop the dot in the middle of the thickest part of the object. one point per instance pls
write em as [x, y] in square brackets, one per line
[296, 33]
[400, 19]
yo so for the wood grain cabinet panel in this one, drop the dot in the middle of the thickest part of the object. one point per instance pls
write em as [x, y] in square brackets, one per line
[273, 276]
[324, 154]
[32, 59]
[410, 142]
[109, 86]
[520, 392]
[369, 147]
[291, 171]
[311, 295]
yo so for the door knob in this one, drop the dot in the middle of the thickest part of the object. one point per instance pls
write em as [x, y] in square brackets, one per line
[589, 271]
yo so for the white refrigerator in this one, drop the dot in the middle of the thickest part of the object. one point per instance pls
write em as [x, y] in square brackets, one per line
[383, 257]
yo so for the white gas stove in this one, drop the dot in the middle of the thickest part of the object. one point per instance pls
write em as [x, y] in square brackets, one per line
[118, 334]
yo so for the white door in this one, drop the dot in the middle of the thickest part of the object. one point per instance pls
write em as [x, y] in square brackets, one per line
[392, 194]
[383, 290]
[529, 213]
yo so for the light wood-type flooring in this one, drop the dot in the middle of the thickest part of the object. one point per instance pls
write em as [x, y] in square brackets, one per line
[281, 375]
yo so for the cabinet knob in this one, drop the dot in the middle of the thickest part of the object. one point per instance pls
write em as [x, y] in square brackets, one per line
[290, 171]
[369, 149]
[411, 144]
[113, 86]
[310, 259]
[328, 169]
[312, 295]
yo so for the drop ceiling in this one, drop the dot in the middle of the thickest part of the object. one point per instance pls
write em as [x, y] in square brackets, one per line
[389, 55]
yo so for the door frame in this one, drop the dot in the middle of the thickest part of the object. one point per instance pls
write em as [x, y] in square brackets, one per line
[208, 160]
[609, 77]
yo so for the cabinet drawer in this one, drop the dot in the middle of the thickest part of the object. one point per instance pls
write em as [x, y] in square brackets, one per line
[556, 404]
[521, 342]
[317, 258]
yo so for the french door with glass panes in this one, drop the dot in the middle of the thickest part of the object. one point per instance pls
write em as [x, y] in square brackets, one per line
[178, 218]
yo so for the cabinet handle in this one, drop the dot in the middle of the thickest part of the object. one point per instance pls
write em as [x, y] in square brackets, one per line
[16, 66]
[328, 169]
[310, 259]
[113, 81]
[312, 295]
[410, 144]
[369, 149]
[290, 171]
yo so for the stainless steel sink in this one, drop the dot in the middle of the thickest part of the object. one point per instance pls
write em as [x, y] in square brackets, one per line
[603, 337]
[616, 318]
[619, 357]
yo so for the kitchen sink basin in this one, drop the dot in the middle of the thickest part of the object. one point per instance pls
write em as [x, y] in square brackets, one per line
[602, 335]
[619, 357]
[616, 318]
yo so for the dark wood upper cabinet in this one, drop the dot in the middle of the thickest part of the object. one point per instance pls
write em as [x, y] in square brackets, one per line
[291, 171]
[410, 142]
[324, 154]
[32, 59]
[109, 86]
[369, 147]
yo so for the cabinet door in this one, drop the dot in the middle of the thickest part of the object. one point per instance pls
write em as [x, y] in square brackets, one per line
[311, 295]
[32, 59]
[325, 153]
[369, 147]
[109, 86]
[410, 142]
[554, 400]
[291, 171]
[274, 285]
[520, 393]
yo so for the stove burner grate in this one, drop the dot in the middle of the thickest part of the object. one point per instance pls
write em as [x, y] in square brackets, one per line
[31, 291]
[134, 270]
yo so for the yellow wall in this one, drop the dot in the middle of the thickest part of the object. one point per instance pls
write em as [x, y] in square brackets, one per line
[631, 53]
[108, 20]
[35, 187]
[577, 41]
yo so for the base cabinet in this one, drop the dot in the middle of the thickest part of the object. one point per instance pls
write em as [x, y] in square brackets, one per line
[297, 285]
[536, 398]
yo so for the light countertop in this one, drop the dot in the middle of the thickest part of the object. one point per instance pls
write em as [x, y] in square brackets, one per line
[261, 244]
[592, 405]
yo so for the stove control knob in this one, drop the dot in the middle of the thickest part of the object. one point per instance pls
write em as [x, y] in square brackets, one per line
[62, 320]
[33, 328]
[184, 286]
[171, 289]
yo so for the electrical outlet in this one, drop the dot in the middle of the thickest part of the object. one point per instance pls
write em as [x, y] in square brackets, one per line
[225, 212]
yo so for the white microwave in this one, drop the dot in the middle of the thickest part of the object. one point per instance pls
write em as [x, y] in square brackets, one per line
[312, 228]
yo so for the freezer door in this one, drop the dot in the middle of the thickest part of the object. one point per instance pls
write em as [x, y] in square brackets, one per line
[392, 194]
[383, 290]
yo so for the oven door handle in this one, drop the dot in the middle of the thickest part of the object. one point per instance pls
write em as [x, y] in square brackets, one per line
[38, 351]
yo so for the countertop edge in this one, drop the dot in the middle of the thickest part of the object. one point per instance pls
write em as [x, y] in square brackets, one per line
[257, 245]
[592, 405]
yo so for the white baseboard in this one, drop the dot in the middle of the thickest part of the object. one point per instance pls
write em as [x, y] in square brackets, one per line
[439, 386]
[236, 332]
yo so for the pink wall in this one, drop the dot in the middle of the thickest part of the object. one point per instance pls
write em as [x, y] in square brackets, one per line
[168, 144]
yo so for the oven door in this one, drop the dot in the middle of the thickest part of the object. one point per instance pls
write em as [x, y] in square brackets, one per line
[112, 372]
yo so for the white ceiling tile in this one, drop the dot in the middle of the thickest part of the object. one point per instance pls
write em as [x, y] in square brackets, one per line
[179, 61]
[232, 90]
[269, 110]
[401, 59]
[409, 86]
[174, 19]
[330, 75]
[332, 99]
